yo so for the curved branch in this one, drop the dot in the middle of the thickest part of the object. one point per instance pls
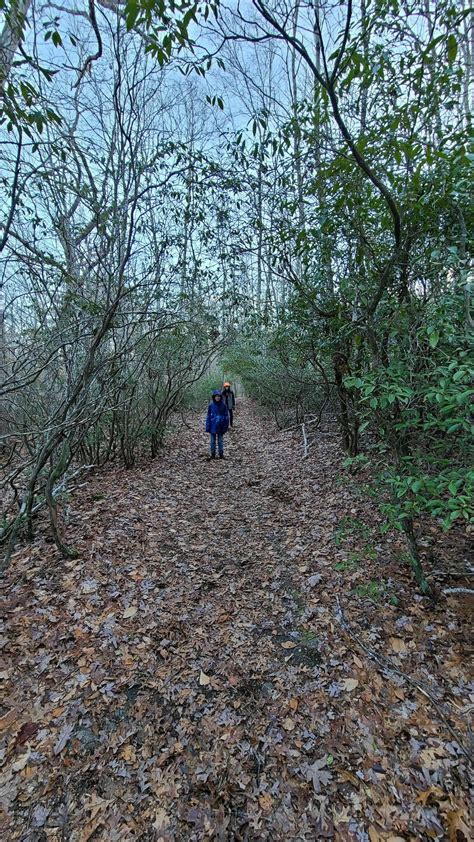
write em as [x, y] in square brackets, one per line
[89, 61]
[328, 85]
[11, 37]
[14, 200]
[344, 42]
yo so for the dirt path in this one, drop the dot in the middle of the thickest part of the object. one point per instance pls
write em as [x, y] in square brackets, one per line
[187, 678]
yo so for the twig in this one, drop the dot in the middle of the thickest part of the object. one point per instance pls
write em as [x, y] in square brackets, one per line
[308, 421]
[90, 60]
[386, 665]
[459, 590]
[183, 421]
[311, 420]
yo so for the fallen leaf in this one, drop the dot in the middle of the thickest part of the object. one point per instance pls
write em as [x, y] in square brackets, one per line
[342, 817]
[397, 644]
[63, 738]
[94, 804]
[288, 724]
[162, 819]
[317, 774]
[266, 801]
[293, 704]
[130, 612]
[289, 644]
[432, 757]
[40, 814]
[458, 830]
[399, 693]
[432, 792]
[7, 720]
[26, 732]
[90, 828]
[21, 762]
[204, 679]
[128, 753]
[350, 684]
[349, 777]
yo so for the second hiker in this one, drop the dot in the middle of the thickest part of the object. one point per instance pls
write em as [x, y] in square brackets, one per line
[229, 399]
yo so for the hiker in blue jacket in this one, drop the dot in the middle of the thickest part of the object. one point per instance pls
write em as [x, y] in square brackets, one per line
[217, 423]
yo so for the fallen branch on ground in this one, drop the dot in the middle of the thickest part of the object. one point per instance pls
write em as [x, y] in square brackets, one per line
[387, 665]
[310, 420]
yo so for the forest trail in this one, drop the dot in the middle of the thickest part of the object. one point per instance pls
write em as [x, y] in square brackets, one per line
[188, 676]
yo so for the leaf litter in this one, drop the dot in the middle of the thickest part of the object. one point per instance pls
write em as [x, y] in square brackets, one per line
[187, 678]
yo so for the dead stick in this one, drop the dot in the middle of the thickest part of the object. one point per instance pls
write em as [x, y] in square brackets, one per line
[385, 663]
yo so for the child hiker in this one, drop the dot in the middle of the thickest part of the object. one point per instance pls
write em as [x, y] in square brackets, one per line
[229, 399]
[217, 423]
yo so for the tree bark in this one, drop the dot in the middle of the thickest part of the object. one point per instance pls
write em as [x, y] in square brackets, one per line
[11, 37]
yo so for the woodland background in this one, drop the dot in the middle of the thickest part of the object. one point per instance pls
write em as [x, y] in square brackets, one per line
[275, 192]
[281, 190]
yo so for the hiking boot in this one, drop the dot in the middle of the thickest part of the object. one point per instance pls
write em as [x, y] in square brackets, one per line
[221, 456]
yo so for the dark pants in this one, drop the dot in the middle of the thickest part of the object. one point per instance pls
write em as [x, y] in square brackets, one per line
[219, 437]
[231, 417]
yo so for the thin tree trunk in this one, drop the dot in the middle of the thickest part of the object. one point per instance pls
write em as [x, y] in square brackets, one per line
[11, 36]
[296, 132]
[414, 554]
[259, 236]
[467, 47]
[365, 45]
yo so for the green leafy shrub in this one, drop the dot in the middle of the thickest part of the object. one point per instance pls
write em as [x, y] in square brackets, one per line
[276, 373]
[419, 408]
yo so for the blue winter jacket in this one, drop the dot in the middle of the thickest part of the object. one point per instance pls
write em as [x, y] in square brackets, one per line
[217, 420]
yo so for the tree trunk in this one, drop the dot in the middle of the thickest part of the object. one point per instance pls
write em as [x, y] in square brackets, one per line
[11, 36]
[349, 431]
[414, 555]
[259, 236]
